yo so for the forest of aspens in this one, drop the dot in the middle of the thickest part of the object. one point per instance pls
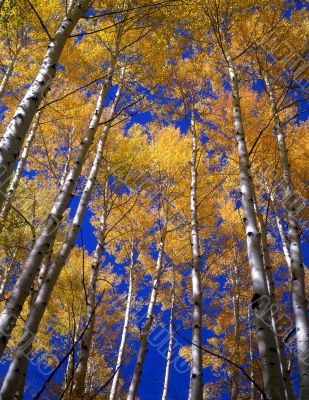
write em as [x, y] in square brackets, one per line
[153, 214]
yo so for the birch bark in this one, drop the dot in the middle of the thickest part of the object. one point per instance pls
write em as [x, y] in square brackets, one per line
[196, 367]
[284, 246]
[148, 324]
[170, 350]
[6, 276]
[19, 394]
[288, 389]
[37, 310]
[300, 303]
[67, 162]
[14, 136]
[252, 388]
[70, 369]
[260, 301]
[83, 356]
[47, 237]
[125, 329]
[21, 165]
[235, 376]
[10, 69]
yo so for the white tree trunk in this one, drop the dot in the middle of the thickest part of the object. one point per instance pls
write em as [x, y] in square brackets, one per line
[13, 138]
[7, 276]
[21, 165]
[37, 310]
[196, 367]
[148, 324]
[83, 355]
[67, 162]
[19, 394]
[125, 329]
[47, 237]
[300, 303]
[252, 388]
[44, 269]
[9, 70]
[235, 375]
[25, 362]
[70, 369]
[282, 238]
[169, 351]
[284, 246]
[70, 5]
[260, 301]
[288, 389]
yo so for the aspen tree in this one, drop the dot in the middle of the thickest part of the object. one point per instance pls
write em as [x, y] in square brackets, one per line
[284, 244]
[196, 367]
[300, 303]
[113, 392]
[7, 275]
[19, 170]
[149, 320]
[235, 375]
[170, 348]
[39, 306]
[260, 300]
[9, 70]
[289, 395]
[13, 138]
[83, 355]
[46, 239]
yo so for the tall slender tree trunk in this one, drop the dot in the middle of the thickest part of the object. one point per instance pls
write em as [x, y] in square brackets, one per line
[47, 237]
[196, 367]
[288, 389]
[37, 310]
[19, 394]
[289, 267]
[252, 388]
[70, 369]
[148, 324]
[67, 162]
[44, 268]
[300, 303]
[170, 350]
[284, 245]
[20, 387]
[17, 176]
[7, 276]
[83, 355]
[10, 69]
[260, 301]
[235, 376]
[14, 136]
[81, 370]
[125, 329]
